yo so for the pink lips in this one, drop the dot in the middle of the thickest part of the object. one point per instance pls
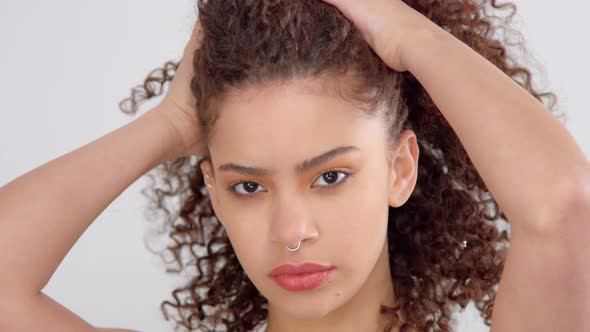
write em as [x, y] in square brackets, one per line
[300, 277]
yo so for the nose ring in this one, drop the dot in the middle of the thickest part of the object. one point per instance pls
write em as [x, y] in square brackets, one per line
[298, 245]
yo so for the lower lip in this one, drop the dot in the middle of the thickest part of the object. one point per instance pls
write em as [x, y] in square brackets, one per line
[300, 282]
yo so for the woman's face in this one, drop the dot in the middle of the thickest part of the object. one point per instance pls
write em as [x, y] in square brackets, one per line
[338, 205]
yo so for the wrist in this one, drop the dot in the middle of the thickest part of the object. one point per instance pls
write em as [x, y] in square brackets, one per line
[422, 40]
[171, 139]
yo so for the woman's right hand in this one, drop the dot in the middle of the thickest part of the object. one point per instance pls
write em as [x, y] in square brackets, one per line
[179, 104]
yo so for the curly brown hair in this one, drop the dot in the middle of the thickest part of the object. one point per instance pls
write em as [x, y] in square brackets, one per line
[256, 42]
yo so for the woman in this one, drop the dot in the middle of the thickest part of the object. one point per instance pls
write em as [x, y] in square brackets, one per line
[394, 210]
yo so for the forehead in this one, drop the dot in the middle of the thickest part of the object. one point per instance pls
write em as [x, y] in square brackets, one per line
[278, 126]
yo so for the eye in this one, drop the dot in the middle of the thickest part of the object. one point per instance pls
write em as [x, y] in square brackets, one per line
[331, 177]
[249, 187]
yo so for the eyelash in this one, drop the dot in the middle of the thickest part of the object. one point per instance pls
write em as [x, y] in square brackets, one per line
[346, 177]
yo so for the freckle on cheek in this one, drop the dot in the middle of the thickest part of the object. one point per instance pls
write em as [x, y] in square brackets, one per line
[338, 293]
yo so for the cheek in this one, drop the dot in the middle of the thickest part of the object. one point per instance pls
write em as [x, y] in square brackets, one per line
[358, 225]
[246, 235]
[248, 252]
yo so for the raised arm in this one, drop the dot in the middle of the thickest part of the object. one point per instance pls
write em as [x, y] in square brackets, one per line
[529, 161]
[535, 171]
[45, 211]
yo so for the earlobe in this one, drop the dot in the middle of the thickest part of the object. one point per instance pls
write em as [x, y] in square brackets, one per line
[209, 180]
[206, 170]
[403, 169]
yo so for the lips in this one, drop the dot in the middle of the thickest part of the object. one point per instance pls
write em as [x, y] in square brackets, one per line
[289, 269]
[301, 277]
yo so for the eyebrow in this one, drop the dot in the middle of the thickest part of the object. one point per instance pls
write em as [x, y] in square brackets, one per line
[299, 168]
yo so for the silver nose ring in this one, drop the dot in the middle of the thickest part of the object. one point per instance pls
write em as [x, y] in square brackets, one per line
[298, 245]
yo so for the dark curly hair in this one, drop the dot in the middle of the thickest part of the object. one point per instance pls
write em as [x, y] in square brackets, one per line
[255, 42]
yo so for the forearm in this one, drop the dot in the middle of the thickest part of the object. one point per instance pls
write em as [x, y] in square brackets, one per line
[526, 157]
[45, 211]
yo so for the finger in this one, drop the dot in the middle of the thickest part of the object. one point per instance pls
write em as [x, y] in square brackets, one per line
[354, 10]
[369, 16]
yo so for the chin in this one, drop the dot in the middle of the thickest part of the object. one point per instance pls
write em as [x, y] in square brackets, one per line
[307, 310]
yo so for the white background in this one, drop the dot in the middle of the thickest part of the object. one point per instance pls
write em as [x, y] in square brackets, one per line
[66, 65]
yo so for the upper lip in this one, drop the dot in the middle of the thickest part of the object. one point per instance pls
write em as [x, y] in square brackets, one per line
[299, 269]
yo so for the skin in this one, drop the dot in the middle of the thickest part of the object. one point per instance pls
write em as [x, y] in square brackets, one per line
[527, 158]
[344, 223]
[519, 149]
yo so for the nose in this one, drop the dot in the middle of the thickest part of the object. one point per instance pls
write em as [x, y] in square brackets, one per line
[292, 222]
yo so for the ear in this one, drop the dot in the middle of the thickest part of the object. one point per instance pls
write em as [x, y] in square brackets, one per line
[210, 184]
[403, 169]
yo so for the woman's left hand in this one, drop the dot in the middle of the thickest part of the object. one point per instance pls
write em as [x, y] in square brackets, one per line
[387, 25]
